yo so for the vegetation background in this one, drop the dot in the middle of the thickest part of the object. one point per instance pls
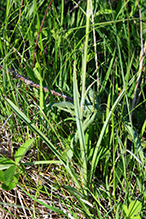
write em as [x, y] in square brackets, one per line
[82, 156]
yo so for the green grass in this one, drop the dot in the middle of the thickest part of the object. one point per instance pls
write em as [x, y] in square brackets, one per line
[80, 159]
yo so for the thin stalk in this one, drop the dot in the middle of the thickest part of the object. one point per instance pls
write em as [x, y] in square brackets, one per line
[95, 49]
[88, 13]
[62, 12]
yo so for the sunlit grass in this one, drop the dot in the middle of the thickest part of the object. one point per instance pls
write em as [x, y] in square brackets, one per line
[87, 159]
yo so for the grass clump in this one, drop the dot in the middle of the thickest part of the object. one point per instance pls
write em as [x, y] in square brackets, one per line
[82, 156]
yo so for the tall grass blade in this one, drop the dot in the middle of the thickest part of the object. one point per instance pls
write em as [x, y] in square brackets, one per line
[80, 130]
[88, 14]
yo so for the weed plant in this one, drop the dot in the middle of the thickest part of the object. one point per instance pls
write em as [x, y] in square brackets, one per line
[73, 159]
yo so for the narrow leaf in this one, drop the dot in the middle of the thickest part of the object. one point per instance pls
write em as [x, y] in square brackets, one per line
[33, 127]
[80, 129]
[22, 150]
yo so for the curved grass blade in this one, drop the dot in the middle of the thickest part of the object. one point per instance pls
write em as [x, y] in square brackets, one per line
[33, 127]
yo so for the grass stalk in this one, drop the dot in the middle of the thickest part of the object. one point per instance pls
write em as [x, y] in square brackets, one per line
[84, 64]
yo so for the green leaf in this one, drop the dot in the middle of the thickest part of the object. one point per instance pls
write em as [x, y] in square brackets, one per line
[8, 174]
[37, 74]
[6, 163]
[30, 11]
[103, 12]
[22, 150]
[136, 217]
[31, 74]
[43, 162]
[132, 211]
[1, 176]
[9, 187]
[65, 106]
[134, 208]
[125, 209]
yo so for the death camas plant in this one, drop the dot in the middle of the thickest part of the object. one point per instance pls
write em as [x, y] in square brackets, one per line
[83, 158]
